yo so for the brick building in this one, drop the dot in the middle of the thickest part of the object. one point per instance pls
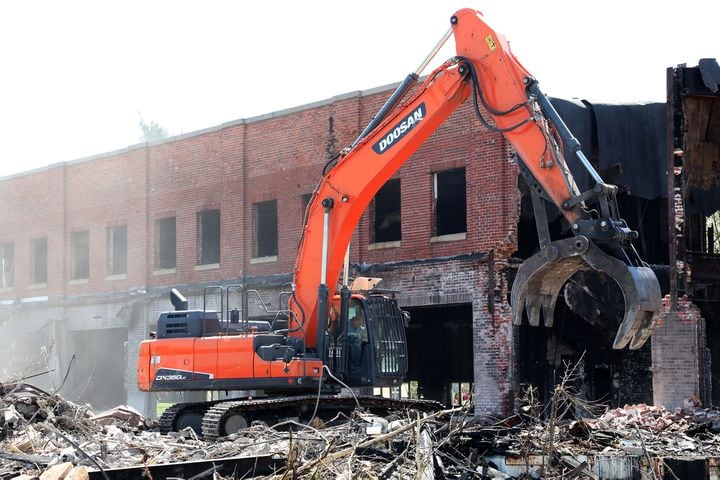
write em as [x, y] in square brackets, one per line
[90, 249]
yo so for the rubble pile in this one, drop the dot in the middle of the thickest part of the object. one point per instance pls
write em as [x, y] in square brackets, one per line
[47, 437]
[43, 436]
[32, 423]
[688, 432]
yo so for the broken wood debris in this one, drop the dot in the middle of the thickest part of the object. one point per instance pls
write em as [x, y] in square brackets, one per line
[43, 436]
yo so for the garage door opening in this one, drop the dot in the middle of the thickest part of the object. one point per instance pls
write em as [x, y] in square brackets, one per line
[440, 351]
[97, 373]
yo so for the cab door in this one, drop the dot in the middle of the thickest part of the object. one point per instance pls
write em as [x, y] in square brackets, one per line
[357, 347]
[388, 342]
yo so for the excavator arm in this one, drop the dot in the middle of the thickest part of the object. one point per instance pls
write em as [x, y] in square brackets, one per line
[486, 70]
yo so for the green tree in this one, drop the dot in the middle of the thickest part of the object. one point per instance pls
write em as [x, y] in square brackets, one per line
[151, 131]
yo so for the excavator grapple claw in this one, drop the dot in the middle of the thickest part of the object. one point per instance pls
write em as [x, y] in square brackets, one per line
[540, 278]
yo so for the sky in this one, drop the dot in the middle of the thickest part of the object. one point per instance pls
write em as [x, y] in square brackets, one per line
[77, 76]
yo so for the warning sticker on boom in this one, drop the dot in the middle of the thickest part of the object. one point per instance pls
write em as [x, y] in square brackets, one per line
[491, 43]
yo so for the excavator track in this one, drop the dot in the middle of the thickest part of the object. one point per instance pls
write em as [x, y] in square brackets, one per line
[168, 421]
[225, 418]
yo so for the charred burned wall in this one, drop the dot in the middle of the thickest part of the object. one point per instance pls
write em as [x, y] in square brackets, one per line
[626, 144]
[606, 376]
[694, 137]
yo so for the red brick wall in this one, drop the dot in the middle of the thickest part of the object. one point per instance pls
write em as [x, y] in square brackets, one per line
[678, 344]
[106, 192]
[276, 156]
[285, 156]
[187, 176]
[490, 188]
[21, 221]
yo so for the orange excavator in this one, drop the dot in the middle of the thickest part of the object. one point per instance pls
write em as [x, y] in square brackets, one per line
[354, 336]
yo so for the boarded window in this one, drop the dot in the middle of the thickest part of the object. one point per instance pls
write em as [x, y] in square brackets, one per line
[80, 245]
[117, 250]
[265, 229]
[38, 252]
[7, 263]
[208, 235]
[165, 243]
[450, 202]
[386, 220]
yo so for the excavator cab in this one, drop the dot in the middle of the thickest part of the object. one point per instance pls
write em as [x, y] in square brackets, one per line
[370, 347]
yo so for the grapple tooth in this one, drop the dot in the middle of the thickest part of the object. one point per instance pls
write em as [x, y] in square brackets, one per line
[645, 299]
[647, 325]
[548, 302]
[540, 278]
[532, 307]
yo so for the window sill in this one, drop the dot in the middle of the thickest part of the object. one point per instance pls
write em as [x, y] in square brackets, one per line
[453, 237]
[34, 299]
[79, 281]
[207, 266]
[6, 289]
[37, 286]
[270, 259]
[164, 271]
[382, 245]
[119, 276]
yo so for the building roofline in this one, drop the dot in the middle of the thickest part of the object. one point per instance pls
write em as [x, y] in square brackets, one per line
[205, 131]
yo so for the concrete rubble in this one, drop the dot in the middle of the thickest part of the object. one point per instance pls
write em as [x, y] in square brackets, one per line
[44, 436]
